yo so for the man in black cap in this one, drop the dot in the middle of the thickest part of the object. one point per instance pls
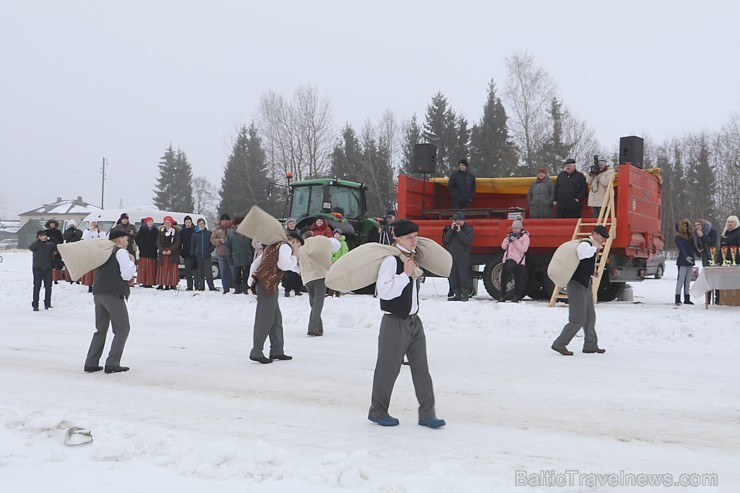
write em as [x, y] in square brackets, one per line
[110, 292]
[570, 191]
[401, 332]
[461, 186]
[581, 311]
[458, 239]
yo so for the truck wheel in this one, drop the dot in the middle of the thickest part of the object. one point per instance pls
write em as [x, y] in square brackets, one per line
[215, 269]
[608, 291]
[539, 286]
[492, 278]
[659, 272]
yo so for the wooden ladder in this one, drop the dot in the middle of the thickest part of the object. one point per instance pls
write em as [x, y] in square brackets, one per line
[584, 228]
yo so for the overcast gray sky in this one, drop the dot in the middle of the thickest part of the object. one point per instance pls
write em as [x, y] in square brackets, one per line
[86, 79]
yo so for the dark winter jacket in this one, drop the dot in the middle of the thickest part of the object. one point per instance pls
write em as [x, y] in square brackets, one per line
[238, 249]
[461, 185]
[43, 254]
[55, 238]
[704, 243]
[130, 230]
[540, 197]
[570, 190]
[200, 244]
[732, 239]
[146, 240]
[72, 234]
[186, 236]
[458, 243]
[684, 244]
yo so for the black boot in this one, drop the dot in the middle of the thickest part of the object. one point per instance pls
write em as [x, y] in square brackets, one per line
[456, 297]
[678, 300]
[687, 299]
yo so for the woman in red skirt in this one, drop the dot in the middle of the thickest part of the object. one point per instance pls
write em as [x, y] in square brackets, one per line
[168, 243]
[146, 240]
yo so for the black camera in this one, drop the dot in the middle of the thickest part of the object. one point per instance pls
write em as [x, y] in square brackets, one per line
[595, 168]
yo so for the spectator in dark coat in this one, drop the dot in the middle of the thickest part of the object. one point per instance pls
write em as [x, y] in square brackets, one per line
[685, 260]
[71, 235]
[240, 252]
[570, 191]
[459, 240]
[146, 240]
[123, 224]
[186, 235]
[731, 239]
[461, 186]
[201, 248]
[55, 237]
[540, 196]
[43, 259]
[705, 239]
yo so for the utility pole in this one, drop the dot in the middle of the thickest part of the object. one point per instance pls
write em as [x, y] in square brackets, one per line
[102, 187]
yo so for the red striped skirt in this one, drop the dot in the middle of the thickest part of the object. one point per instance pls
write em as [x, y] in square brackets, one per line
[146, 272]
[57, 275]
[88, 278]
[168, 275]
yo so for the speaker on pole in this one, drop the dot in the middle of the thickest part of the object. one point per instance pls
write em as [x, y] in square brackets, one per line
[425, 158]
[631, 151]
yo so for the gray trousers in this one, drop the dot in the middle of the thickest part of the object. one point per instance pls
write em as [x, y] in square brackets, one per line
[110, 309]
[399, 336]
[268, 321]
[581, 313]
[316, 295]
[684, 279]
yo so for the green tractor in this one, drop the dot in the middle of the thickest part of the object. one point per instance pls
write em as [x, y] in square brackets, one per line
[341, 203]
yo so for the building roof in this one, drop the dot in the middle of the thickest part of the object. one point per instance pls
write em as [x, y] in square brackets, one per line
[76, 206]
[10, 226]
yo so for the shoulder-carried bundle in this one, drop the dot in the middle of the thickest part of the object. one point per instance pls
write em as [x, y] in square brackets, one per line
[81, 257]
[564, 263]
[261, 226]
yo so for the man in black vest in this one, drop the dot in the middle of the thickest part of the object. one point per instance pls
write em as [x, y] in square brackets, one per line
[581, 311]
[401, 332]
[110, 291]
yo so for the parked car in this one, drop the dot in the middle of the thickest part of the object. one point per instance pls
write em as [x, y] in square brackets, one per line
[214, 267]
[656, 265]
[7, 244]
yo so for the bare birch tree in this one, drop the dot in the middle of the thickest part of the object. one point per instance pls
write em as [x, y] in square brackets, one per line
[529, 90]
[298, 134]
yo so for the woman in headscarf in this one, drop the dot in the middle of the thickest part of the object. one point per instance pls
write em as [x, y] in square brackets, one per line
[168, 244]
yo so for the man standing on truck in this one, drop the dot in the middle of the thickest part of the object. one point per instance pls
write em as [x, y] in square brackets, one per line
[461, 186]
[458, 240]
[570, 191]
[599, 177]
[581, 311]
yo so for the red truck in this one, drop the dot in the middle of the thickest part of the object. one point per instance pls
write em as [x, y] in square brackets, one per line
[638, 236]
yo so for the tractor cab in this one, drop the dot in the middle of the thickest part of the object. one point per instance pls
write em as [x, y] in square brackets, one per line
[341, 203]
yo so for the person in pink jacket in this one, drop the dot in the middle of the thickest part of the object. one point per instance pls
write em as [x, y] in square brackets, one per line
[515, 247]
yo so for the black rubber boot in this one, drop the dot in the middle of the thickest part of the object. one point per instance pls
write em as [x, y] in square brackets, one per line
[687, 300]
[678, 300]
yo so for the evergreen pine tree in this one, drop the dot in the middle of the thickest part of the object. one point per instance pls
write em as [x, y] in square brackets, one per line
[491, 150]
[411, 137]
[174, 190]
[554, 151]
[346, 156]
[440, 130]
[245, 182]
[461, 145]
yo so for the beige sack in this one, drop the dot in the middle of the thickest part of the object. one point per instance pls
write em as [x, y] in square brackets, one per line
[359, 267]
[314, 257]
[564, 263]
[81, 257]
[261, 226]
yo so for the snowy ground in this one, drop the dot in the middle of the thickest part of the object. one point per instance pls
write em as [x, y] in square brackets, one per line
[194, 415]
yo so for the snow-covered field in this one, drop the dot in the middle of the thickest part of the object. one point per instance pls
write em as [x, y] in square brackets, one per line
[195, 415]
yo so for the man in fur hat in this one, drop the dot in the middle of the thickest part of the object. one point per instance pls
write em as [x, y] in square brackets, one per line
[268, 270]
[401, 332]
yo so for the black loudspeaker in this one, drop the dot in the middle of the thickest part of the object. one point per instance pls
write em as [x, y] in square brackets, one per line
[425, 158]
[631, 151]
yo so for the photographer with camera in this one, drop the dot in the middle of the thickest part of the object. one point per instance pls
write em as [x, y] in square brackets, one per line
[386, 236]
[598, 180]
[515, 247]
[459, 239]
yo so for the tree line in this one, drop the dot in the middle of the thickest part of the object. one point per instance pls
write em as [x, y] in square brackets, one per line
[523, 126]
